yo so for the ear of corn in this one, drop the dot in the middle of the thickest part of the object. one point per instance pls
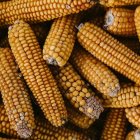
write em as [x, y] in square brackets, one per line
[107, 49]
[114, 128]
[133, 115]
[36, 73]
[95, 72]
[120, 21]
[130, 136]
[79, 119]
[7, 139]
[39, 11]
[60, 41]
[43, 130]
[15, 95]
[119, 3]
[137, 21]
[75, 89]
[127, 97]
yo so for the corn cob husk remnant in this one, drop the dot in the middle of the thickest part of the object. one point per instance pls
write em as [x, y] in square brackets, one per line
[38, 76]
[15, 94]
[110, 51]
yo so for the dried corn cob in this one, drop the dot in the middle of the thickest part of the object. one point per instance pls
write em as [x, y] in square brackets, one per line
[36, 73]
[60, 41]
[75, 89]
[107, 49]
[127, 97]
[43, 131]
[15, 96]
[95, 72]
[39, 11]
[114, 128]
[130, 136]
[137, 21]
[1, 138]
[118, 3]
[79, 119]
[133, 115]
[120, 21]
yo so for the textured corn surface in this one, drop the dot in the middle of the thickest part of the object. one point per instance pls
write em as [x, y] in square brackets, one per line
[36, 73]
[39, 11]
[110, 51]
[120, 21]
[130, 136]
[131, 43]
[43, 130]
[95, 72]
[137, 21]
[60, 40]
[79, 119]
[75, 89]
[114, 128]
[133, 115]
[15, 95]
[5, 126]
[119, 3]
[127, 97]
[7, 139]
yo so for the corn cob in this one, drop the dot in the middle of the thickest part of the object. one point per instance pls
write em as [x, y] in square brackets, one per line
[133, 115]
[75, 89]
[1, 138]
[60, 41]
[95, 72]
[41, 31]
[39, 11]
[130, 136]
[120, 21]
[15, 97]
[110, 51]
[36, 73]
[114, 128]
[137, 21]
[118, 3]
[131, 43]
[79, 119]
[127, 97]
[43, 130]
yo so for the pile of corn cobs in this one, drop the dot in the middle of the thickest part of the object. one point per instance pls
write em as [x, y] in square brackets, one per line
[70, 69]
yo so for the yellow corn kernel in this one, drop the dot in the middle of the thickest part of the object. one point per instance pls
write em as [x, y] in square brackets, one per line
[39, 11]
[127, 97]
[95, 72]
[119, 3]
[133, 115]
[28, 55]
[60, 40]
[114, 127]
[15, 94]
[130, 136]
[137, 21]
[79, 119]
[120, 21]
[110, 51]
[43, 130]
[75, 89]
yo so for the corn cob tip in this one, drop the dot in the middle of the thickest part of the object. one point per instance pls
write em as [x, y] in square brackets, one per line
[109, 19]
[79, 26]
[137, 134]
[114, 92]
[93, 107]
[50, 61]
